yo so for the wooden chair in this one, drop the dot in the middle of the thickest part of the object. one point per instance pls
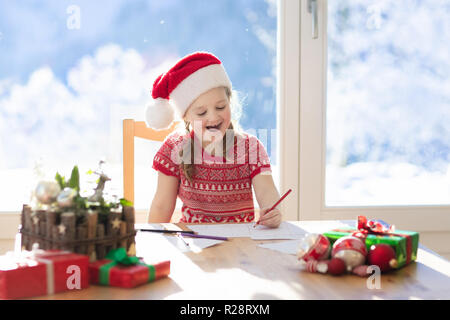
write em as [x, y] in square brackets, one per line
[138, 129]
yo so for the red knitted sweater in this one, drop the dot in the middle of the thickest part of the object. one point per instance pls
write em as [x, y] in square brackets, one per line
[221, 189]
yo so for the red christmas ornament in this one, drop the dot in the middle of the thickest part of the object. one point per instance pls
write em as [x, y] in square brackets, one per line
[314, 247]
[336, 266]
[351, 250]
[383, 256]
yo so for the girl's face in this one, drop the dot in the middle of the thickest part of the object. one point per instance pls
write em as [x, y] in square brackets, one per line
[211, 112]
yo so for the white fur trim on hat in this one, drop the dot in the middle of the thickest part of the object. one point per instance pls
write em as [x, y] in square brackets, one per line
[199, 82]
[159, 114]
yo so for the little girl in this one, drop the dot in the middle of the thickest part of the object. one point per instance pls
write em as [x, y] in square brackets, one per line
[212, 166]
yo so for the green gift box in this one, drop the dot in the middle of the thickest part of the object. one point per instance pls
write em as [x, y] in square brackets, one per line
[404, 243]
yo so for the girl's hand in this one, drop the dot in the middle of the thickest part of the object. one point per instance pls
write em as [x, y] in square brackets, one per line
[270, 219]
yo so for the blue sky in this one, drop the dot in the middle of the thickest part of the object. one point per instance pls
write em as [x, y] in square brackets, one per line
[34, 33]
[47, 67]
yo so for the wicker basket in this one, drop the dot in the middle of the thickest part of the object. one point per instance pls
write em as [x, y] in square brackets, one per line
[91, 236]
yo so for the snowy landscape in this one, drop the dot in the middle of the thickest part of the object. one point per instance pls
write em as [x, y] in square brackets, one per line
[388, 103]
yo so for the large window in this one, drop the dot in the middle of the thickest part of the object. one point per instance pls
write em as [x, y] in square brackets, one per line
[70, 71]
[388, 103]
[373, 112]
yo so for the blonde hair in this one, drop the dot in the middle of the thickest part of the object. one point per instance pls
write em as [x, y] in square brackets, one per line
[187, 152]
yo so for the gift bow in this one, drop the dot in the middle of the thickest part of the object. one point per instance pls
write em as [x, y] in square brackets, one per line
[119, 256]
[366, 227]
[380, 227]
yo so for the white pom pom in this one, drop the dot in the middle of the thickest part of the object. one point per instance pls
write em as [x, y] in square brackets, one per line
[159, 114]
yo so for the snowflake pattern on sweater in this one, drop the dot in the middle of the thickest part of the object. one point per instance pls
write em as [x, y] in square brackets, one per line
[221, 188]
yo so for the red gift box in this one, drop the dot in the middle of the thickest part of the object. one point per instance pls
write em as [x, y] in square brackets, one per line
[111, 273]
[42, 272]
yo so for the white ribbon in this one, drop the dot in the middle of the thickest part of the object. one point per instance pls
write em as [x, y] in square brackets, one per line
[50, 271]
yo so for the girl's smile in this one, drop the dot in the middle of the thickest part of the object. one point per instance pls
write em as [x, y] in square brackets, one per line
[214, 128]
[211, 113]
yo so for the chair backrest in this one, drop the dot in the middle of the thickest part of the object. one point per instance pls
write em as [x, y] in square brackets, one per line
[138, 129]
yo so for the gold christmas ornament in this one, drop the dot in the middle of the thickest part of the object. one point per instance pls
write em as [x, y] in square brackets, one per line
[65, 197]
[47, 191]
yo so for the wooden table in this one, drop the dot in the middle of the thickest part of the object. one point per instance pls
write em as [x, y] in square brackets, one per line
[240, 269]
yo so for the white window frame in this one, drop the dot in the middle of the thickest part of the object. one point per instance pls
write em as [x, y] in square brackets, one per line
[307, 162]
[288, 104]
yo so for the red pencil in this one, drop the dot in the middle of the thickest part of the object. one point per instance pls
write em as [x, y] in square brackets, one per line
[277, 203]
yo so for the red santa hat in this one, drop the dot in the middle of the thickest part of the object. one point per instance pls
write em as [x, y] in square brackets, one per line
[175, 90]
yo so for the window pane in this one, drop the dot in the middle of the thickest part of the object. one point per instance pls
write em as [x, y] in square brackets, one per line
[388, 103]
[70, 71]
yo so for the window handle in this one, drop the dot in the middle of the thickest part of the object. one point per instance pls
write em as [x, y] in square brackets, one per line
[312, 8]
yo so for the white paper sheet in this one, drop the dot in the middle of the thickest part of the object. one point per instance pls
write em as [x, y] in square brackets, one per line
[286, 230]
[288, 247]
[230, 230]
[195, 244]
